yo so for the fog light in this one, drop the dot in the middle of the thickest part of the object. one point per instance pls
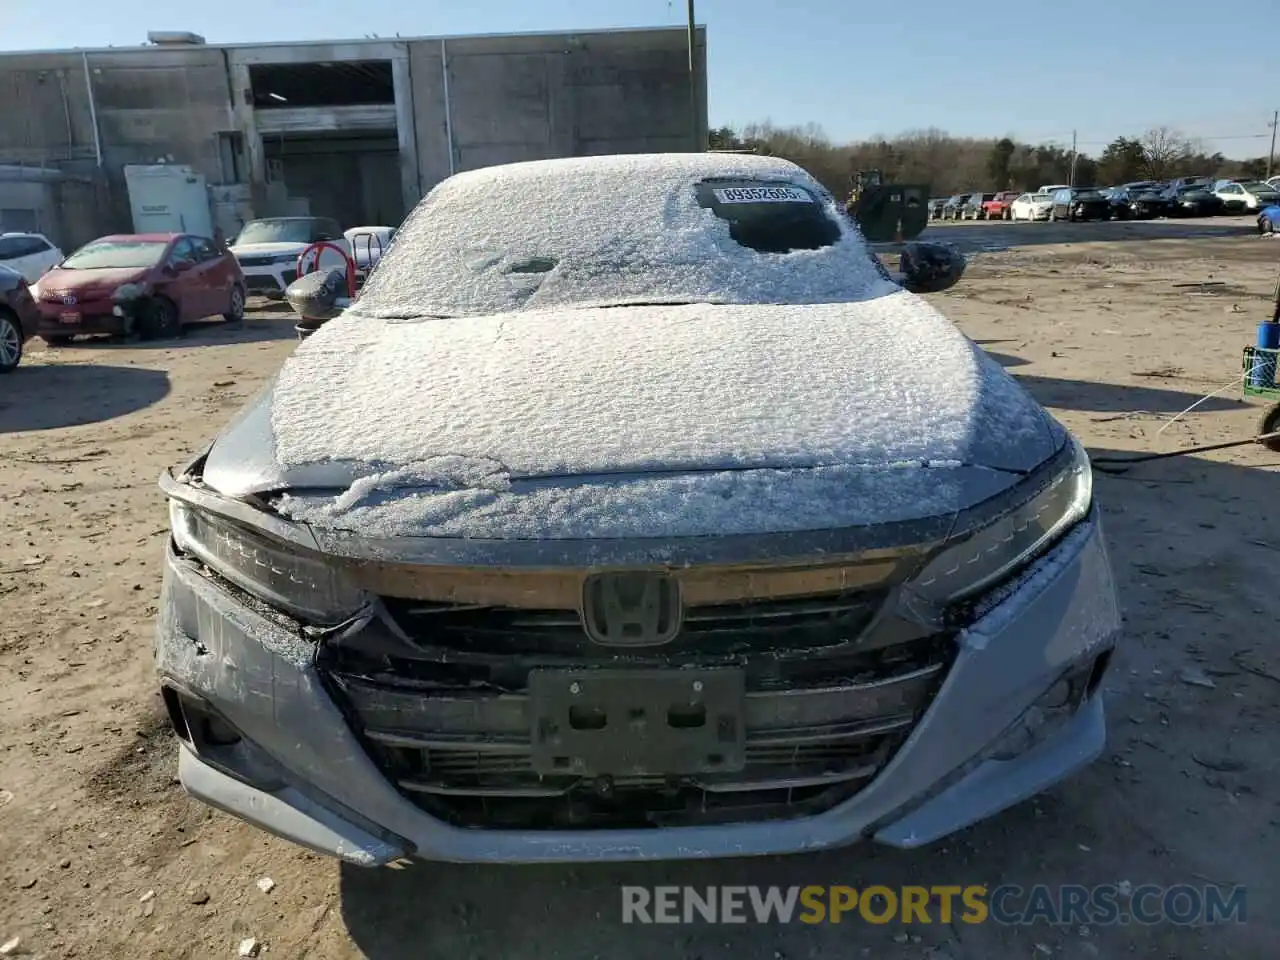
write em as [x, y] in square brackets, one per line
[1030, 729]
[216, 732]
[195, 723]
[1051, 710]
[1059, 696]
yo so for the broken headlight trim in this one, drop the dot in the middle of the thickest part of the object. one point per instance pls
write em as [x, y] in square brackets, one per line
[302, 585]
[991, 553]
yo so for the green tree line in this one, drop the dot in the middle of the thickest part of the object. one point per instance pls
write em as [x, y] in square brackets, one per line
[952, 164]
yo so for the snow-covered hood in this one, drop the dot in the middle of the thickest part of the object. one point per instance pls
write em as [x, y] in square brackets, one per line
[635, 421]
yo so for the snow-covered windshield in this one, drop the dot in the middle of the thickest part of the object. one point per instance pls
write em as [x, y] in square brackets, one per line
[116, 255]
[598, 231]
[285, 230]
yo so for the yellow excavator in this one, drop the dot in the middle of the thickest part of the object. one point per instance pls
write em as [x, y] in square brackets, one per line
[888, 212]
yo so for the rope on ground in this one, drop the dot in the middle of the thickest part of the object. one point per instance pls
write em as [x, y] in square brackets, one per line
[1121, 464]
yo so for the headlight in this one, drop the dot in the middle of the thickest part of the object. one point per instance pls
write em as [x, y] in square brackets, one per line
[129, 291]
[991, 553]
[298, 583]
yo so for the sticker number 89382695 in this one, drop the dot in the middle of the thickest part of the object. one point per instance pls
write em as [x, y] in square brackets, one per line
[762, 195]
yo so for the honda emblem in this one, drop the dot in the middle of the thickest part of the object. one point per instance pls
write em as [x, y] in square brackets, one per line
[637, 609]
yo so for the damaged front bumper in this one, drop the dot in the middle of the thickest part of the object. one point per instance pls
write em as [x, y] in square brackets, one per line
[266, 737]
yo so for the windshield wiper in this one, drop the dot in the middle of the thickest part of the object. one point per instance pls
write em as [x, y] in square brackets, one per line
[405, 316]
[649, 303]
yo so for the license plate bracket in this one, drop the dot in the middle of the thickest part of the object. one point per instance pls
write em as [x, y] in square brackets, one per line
[69, 316]
[637, 722]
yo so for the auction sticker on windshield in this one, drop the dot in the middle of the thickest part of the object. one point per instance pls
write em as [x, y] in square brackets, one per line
[762, 195]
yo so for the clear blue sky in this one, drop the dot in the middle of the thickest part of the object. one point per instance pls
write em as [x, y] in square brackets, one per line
[979, 67]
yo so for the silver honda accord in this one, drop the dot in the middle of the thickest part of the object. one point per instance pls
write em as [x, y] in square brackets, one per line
[634, 510]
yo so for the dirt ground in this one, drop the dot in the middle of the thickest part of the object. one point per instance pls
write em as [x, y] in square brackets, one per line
[101, 854]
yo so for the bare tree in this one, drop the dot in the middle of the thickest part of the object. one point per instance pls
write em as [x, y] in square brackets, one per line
[1164, 151]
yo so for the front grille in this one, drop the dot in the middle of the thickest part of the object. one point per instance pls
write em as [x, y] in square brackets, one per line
[261, 282]
[796, 623]
[450, 723]
[256, 261]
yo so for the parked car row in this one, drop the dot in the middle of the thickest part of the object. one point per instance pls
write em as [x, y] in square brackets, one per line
[147, 284]
[151, 284]
[1144, 199]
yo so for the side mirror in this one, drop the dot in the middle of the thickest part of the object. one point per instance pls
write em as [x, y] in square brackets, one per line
[930, 267]
[321, 295]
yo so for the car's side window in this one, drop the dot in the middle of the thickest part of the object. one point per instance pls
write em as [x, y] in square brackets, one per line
[205, 249]
[183, 252]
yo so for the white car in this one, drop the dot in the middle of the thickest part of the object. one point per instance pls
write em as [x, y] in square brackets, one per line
[268, 250]
[1250, 196]
[368, 244]
[1273, 182]
[30, 254]
[1031, 206]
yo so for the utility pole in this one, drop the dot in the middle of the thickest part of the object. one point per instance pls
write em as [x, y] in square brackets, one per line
[694, 131]
[1071, 181]
[1271, 157]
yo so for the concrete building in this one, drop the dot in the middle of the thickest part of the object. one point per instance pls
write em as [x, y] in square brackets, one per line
[358, 130]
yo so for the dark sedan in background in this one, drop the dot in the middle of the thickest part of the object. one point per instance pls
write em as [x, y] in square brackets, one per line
[1136, 203]
[1193, 201]
[951, 209]
[974, 207]
[1080, 203]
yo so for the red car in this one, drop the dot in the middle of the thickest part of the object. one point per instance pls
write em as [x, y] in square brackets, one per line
[999, 207]
[18, 318]
[148, 283]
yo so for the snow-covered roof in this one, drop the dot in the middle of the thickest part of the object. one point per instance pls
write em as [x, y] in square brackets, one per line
[592, 231]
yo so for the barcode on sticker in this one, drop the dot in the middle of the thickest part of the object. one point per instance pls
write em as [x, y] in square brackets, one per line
[762, 195]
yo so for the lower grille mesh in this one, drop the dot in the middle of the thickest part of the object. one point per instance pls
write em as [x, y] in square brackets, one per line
[813, 740]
